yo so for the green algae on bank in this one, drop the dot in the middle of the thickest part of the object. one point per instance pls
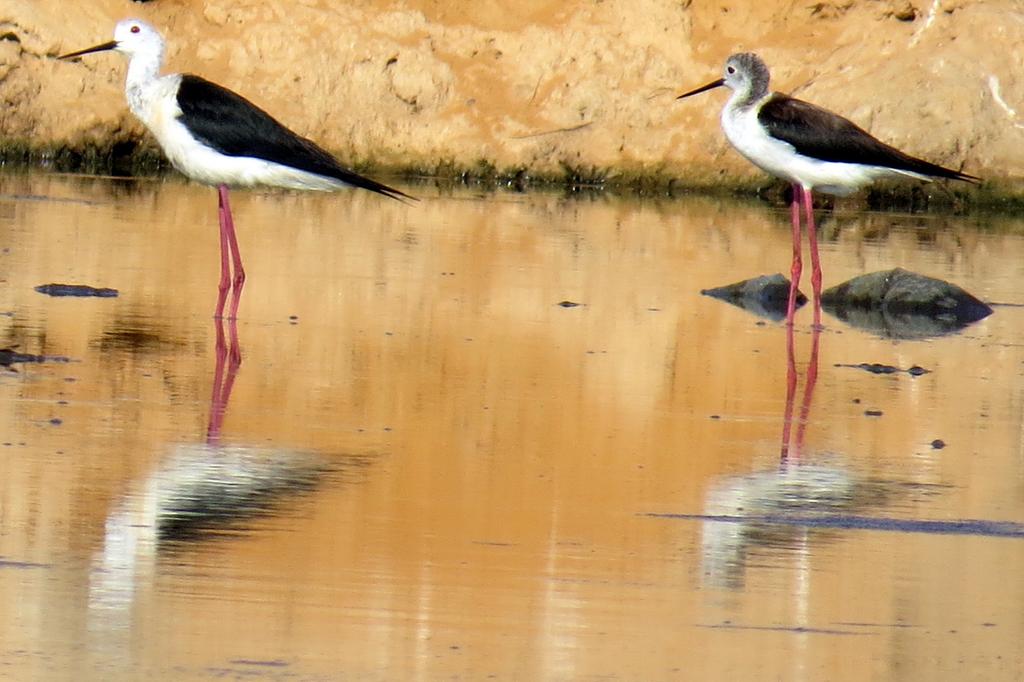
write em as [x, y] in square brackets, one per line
[131, 157]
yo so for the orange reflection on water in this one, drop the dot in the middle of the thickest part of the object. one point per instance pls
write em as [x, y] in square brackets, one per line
[426, 467]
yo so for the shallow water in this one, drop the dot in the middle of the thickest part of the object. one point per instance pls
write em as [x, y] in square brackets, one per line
[426, 468]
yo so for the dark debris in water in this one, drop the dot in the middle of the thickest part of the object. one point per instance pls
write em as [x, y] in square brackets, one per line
[134, 336]
[796, 629]
[270, 663]
[569, 304]
[8, 563]
[9, 356]
[46, 198]
[971, 527]
[878, 368]
[76, 290]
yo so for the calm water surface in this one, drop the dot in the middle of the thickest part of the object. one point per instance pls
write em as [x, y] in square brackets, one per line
[425, 468]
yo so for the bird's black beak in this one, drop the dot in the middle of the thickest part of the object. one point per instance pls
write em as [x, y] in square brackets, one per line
[704, 88]
[98, 48]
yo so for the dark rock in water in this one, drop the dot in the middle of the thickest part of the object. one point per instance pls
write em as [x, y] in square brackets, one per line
[902, 291]
[75, 290]
[766, 296]
[902, 304]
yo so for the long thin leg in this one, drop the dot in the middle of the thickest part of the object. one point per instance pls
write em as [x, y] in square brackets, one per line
[236, 256]
[797, 267]
[812, 237]
[229, 243]
[225, 268]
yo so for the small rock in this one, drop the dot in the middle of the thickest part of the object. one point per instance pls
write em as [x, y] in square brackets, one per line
[904, 12]
[902, 304]
[766, 295]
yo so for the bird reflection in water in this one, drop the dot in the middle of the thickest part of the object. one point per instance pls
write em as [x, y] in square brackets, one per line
[217, 489]
[744, 514]
[200, 492]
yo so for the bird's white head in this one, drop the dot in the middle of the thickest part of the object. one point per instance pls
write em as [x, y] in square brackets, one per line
[745, 74]
[132, 37]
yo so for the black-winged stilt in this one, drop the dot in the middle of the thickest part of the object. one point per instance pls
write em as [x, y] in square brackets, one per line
[219, 138]
[811, 147]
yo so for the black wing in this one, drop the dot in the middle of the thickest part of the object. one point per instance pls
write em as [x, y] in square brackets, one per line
[234, 126]
[820, 134]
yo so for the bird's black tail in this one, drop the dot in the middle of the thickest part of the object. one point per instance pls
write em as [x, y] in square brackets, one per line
[363, 182]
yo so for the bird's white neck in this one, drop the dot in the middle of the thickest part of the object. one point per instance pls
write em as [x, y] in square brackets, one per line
[143, 72]
[745, 98]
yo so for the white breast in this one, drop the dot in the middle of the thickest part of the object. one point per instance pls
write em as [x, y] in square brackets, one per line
[158, 109]
[780, 159]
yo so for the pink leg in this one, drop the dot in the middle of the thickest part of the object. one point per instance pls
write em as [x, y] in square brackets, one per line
[812, 237]
[797, 267]
[225, 270]
[228, 244]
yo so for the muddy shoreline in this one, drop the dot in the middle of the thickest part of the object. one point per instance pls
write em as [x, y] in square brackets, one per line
[143, 160]
[537, 94]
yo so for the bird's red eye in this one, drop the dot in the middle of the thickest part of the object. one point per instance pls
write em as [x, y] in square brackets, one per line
[135, 29]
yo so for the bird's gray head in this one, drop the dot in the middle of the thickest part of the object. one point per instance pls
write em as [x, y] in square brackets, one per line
[745, 74]
[131, 37]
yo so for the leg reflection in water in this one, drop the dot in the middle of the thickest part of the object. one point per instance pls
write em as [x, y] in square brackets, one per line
[810, 378]
[229, 359]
